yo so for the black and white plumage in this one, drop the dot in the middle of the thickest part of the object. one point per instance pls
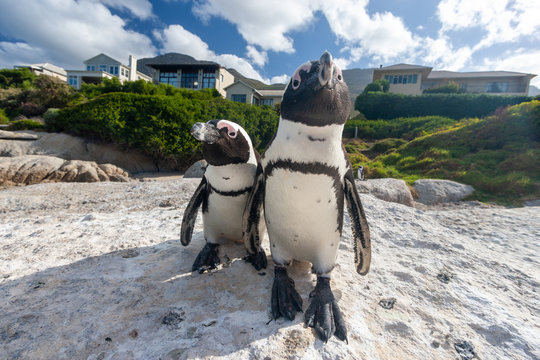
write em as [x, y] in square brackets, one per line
[302, 183]
[223, 190]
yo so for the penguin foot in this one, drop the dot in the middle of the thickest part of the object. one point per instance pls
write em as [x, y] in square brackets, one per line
[258, 260]
[285, 300]
[207, 259]
[323, 313]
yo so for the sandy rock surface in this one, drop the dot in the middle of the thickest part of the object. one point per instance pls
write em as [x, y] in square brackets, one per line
[96, 271]
[388, 189]
[436, 191]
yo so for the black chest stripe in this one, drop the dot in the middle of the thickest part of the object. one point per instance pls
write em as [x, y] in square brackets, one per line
[317, 169]
[230, 193]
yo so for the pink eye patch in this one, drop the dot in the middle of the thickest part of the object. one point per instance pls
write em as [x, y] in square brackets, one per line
[296, 80]
[231, 131]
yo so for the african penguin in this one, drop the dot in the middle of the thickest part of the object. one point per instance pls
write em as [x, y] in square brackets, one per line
[302, 183]
[223, 190]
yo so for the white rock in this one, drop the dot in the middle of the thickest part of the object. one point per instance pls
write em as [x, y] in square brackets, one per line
[387, 189]
[120, 286]
[432, 191]
[16, 135]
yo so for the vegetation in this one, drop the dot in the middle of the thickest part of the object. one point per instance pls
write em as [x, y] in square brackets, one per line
[498, 155]
[381, 105]
[380, 85]
[449, 88]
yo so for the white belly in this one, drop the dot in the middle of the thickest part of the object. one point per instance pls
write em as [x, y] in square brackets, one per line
[302, 217]
[224, 217]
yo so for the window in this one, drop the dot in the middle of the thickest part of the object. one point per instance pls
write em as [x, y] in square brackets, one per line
[170, 78]
[72, 80]
[91, 67]
[188, 79]
[113, 70]
[209, 80]
[221, 77]
[401, 79]
[269, 102]
[497, 87]
[238, 97]
[102, 67]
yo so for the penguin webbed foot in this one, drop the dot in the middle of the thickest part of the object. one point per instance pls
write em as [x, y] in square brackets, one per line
[258, 260]
[285, 299]
[323, 313]
[207, 259]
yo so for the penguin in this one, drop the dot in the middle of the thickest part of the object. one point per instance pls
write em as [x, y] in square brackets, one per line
[302, 182]
[223, 190]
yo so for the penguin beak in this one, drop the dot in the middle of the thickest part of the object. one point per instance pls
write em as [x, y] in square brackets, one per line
[205, 132]
[326, 70]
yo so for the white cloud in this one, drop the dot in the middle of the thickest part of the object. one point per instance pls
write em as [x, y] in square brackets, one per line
[72, 32]
[177, 39]
[262, 23]
[280, 79]
[502, 21]
[440, 54]
[140, 8]
[257, 57]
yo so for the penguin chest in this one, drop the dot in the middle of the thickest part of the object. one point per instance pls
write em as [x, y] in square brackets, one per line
[303, 213]
[223, 217]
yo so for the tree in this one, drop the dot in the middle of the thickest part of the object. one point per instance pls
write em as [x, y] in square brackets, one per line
[381, 85]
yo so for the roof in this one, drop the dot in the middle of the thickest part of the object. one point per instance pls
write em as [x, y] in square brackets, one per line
[178, 59]
[112, 60]
[272, 93]
[243, 83]
[443, 74]
[404, 67]
[47, 66]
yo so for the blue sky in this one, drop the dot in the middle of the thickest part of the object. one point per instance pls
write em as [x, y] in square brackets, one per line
[269, 39]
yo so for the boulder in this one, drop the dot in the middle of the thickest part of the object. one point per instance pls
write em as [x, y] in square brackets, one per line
[388, 189]
[12, 135]
[33, 169]
[432, 191]
[196, 170]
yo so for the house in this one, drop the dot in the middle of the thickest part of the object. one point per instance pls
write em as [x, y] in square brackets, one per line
[413, 79]
[243, 92]
[105, 67]
[184, 71]
[46, 69]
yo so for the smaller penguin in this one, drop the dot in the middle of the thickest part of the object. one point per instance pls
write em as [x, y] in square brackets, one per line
[223, 190]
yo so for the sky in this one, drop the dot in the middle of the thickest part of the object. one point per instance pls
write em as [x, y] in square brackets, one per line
[268, 39]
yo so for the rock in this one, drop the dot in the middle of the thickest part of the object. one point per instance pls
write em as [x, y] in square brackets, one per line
[387, 189]
[14, 135]
[532, 203]
[433, 191]
[33, 169]
[75, 148]
[196, 170]
[66, 285]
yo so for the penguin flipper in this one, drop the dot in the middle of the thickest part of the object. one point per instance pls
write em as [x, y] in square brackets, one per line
[251, 220]
[360, 229]
[190, 214]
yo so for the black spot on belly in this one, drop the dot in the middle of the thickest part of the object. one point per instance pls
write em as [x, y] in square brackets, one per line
[295, 187]
[225, 178]
[318, 201]
[311, 138]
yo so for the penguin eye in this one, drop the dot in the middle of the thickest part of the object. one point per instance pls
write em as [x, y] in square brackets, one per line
[297, 79]
[232, 134]
[339, 74]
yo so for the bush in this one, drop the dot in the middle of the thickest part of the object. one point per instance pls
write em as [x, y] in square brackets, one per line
[16, 78]
[384, 145]
[449, 88]
[160, 125]
[380, 105]
[26, 124]
[3, 117]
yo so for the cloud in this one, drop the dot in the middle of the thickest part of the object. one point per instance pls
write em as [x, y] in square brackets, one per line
[280, 79]
[502, 21]
[257, 57]
[140, 8]
[262, 23]
[522, 60]
[175, 38]
[72, 32]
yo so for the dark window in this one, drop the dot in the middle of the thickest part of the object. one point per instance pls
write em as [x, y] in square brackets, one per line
[209, 80]
[170, 78]
[189, 79]
[238, 97]
[269, 102]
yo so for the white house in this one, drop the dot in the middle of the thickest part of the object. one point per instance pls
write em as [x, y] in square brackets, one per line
[241, 91]
[105, 67]
[46, 69]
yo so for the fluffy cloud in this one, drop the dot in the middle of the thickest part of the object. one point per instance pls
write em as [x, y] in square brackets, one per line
[262, 23]
[177, 39]
[73, 32]
[140, 8]
[520, 61]
[257, 57]
[501, 20]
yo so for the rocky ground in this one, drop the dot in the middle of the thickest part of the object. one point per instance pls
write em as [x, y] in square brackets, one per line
[96, 271]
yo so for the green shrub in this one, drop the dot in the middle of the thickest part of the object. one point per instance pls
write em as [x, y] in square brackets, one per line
[26, 124]
[16, 78]
[3, 117]
[384, 145]
[449, 88]
[380, 105]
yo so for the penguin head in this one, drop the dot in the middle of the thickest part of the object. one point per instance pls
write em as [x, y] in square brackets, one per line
[317, 95]
[223, 142]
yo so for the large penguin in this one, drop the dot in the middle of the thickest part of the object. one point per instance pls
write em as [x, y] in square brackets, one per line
[223, 190]
[302, 183]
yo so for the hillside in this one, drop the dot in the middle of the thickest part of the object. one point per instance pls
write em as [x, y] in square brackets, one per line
[498, 155]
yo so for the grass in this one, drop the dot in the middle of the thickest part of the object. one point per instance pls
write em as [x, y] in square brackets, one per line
[498, 155]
